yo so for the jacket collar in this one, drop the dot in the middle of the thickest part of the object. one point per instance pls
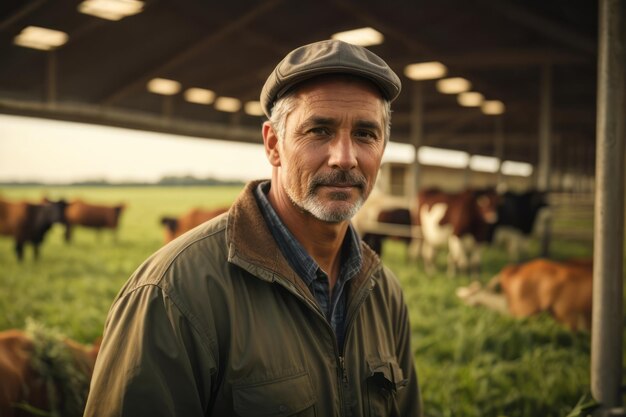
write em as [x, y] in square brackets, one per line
[252, 247]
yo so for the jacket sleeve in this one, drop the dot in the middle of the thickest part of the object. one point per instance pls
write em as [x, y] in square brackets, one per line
[409, 398]
[152, 361]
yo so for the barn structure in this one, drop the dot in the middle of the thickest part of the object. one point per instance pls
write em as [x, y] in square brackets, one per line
[539, 82]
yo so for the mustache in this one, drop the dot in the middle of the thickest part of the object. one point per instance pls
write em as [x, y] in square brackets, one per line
[338, 178]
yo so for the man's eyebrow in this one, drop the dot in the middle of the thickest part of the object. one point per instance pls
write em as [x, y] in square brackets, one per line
[320, 120]
[368, 124]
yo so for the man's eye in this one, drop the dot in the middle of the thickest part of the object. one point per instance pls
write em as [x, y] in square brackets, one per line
[365, 135]
[320, 131]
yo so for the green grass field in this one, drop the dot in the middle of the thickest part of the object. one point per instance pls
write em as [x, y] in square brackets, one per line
[471, 362]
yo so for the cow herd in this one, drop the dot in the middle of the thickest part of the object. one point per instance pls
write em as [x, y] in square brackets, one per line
[29, 222]
[463, 223]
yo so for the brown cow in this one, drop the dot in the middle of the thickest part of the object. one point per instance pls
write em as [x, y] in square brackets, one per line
[562, 289]
[175, 227]
[458, 221]
[44, 375]
[79, 213]
[29, 222]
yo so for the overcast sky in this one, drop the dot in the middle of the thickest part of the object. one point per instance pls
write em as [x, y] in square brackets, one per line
[56, 152]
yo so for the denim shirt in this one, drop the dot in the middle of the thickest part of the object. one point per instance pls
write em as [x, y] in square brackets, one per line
[333, 307]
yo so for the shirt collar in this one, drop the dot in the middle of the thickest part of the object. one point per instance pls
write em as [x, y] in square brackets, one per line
[301, 262]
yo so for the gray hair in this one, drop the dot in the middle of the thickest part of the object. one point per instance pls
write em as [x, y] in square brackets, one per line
[287, 103]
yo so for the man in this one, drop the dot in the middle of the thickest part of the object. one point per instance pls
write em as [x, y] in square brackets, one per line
[276, 308]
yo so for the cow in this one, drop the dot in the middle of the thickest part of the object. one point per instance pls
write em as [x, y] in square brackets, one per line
[399, 216]
[458, 221]
[43, 376]
[562, 289]
[79, 213]
[519, 216]
[175, 227]
[28, 222]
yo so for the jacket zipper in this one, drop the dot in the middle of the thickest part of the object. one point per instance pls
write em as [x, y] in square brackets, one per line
[360, 297]
[352, 308]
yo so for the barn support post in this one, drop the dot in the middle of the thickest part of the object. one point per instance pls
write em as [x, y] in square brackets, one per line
[167, 107]
[608, 313]
[545, 147]
[498, 145]
[51, 77]
[417, 133]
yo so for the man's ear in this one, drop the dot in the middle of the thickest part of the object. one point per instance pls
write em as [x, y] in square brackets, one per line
[270, 142]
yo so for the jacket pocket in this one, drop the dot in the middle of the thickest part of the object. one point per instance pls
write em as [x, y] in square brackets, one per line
[384, 381]
[288, 396]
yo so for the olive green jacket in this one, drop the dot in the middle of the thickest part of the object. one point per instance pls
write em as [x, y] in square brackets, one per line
[217, 323]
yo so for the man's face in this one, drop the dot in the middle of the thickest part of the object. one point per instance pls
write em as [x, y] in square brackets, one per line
[333, 145]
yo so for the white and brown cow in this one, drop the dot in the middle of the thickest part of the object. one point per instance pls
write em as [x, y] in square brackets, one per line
[561, 289]
[458, 221]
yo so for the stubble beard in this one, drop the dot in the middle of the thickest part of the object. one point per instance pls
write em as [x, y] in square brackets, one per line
[312, 204]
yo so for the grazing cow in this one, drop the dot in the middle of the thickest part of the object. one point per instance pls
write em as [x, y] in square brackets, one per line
[79, 213]
[459, 221]
[400, 216]
[562, 289]
[45, 375]
[29, 222]
[175, 227]
[519, 215]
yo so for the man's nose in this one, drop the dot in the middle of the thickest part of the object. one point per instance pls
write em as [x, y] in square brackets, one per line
[342, 152]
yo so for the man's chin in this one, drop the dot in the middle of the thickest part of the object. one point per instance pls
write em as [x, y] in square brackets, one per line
[334, 211]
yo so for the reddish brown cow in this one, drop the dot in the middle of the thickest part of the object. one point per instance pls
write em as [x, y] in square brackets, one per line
[562, 289]
[29, 222]
[23, 384]
[79, 213]
[175, 227]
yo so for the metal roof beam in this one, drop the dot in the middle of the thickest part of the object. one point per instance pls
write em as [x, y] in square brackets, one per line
[185, 55]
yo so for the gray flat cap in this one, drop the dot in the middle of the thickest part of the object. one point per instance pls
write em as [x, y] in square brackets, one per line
[328, 57]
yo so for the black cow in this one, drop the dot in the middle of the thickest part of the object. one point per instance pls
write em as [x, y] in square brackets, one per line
[400, 216]
[29, 222]
[517, 216]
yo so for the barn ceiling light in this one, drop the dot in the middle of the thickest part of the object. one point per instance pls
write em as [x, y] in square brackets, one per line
[253, 108]
[442, 157]
[492, 107]
[425, 70]
[520, 169]
[484, 163]
[163, 86]
[227, 104]
[111, 9]
[470, 99]
[40, 38]
[364, 36]
[199, 95]
[454, 85]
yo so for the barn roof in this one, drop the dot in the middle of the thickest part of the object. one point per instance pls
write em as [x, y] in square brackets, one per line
[501, 46]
